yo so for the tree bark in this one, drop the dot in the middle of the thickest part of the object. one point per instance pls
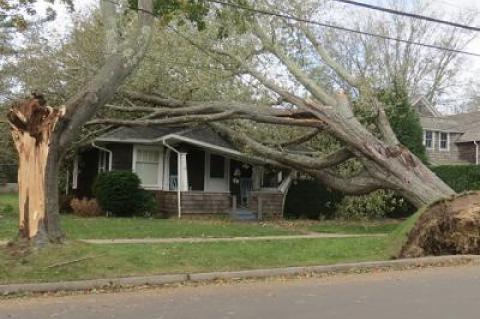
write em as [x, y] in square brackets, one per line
[43, 135]
[32, 124]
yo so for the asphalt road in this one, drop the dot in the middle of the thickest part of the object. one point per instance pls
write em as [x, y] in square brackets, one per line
[430, 293]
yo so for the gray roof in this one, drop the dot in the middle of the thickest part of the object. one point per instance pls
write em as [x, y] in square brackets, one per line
[152, 134]
[467, 124]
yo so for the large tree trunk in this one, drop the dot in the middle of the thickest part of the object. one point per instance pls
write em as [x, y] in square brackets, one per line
[32, 124]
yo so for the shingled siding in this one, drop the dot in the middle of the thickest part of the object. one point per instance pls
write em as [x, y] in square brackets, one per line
[194, 203]
[272, 204]
[456, 154]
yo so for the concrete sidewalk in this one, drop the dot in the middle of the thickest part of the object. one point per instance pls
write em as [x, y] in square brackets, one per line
[177, 240]
[220, 239]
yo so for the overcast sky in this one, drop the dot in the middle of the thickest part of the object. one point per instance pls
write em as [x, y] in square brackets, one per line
[454, 7]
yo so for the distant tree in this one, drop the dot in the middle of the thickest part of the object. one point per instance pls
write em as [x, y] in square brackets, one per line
[403, 119]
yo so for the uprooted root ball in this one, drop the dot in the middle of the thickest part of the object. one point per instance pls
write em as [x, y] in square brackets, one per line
[447, 227]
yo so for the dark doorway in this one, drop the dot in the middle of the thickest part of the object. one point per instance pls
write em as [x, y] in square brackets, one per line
[241, 182]
[87, 172]
[196, 169]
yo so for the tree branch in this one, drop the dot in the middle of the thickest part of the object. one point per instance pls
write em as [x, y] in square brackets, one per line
[297, 161]
[357, 185]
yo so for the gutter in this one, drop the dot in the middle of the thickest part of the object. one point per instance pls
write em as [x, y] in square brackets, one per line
[110, 155]
[179, 194]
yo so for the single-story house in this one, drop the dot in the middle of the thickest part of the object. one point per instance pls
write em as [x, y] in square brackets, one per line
[191, 171]
[452, 139]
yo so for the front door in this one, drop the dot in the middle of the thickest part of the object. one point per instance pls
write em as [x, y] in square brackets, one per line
[241, 182]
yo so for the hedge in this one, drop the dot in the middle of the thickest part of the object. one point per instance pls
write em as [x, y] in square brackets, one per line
[308, 198]
[459, 177]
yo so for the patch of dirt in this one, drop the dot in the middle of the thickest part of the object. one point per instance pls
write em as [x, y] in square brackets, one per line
[447, 227]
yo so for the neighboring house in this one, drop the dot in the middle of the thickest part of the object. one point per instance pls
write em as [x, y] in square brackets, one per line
[449, 140]
[191, 171]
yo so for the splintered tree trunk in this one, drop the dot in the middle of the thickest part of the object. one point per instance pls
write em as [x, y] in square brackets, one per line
[32, 124]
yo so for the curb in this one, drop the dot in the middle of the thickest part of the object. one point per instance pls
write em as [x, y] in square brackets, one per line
[161, 280]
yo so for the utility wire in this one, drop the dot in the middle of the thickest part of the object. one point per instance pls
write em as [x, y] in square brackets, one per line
[410, 15]
[323, 24]
[341, 28]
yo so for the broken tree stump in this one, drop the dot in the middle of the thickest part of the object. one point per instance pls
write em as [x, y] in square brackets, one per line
[32, 123]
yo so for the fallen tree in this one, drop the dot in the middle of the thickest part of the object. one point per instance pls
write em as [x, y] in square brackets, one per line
[386, 164]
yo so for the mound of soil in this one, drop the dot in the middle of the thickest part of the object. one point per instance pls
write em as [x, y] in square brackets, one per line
[447, 227]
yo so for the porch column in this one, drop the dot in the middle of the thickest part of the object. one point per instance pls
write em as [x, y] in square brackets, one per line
[182, 172]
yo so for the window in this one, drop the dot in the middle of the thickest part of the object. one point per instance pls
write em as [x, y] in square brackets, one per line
[443, 141]
[146, 166]
[217, 166]
[428, 139]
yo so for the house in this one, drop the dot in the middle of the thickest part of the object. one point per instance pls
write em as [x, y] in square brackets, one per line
[449, 140]
[191, 171]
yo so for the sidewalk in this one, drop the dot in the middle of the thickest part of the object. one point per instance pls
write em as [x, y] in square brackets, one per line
[176, 240]
[220, 239]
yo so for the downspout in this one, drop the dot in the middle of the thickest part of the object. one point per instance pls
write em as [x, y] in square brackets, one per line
[476, 152]
[109, 154]
[179, 194]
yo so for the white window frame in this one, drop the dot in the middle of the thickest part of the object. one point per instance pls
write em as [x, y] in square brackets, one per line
[425, 139]
[137, 148]
[440, 142]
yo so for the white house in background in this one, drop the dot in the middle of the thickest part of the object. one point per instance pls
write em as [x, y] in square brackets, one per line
[191, 171]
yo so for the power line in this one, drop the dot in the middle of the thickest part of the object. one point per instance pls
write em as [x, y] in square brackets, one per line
[323, 24]
[341, 28]
[410, 15]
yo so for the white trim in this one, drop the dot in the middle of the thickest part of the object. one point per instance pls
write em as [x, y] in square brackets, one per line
[440, 142]
[136, 148]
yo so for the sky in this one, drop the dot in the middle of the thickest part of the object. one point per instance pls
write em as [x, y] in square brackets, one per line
[455, 8]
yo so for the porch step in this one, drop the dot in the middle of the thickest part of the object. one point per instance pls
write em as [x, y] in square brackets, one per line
[242, 214]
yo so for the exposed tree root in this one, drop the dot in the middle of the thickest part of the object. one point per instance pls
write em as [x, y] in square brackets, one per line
[447, 227]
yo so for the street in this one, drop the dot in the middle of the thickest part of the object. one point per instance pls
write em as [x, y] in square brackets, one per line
[429, 293]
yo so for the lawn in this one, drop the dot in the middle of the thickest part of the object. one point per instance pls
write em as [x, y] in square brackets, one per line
[134, 260]
[122, 260]
[343, 227]
[107, 228]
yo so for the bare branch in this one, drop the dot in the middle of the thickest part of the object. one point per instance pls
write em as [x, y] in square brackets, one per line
[317, 91]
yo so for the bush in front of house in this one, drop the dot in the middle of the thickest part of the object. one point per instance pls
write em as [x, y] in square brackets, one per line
[308, 198]
[86, 207]
[460, 178]
[119, 193]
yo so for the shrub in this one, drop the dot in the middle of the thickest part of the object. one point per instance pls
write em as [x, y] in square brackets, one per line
[373, 206]
[7, 209]
[404, 119]
[119, 193]
[310, 199]
[460, 178]
[86, 207]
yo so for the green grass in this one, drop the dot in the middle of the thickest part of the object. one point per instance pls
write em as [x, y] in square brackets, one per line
[355, 227]
[134, 260]
[107, 228]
